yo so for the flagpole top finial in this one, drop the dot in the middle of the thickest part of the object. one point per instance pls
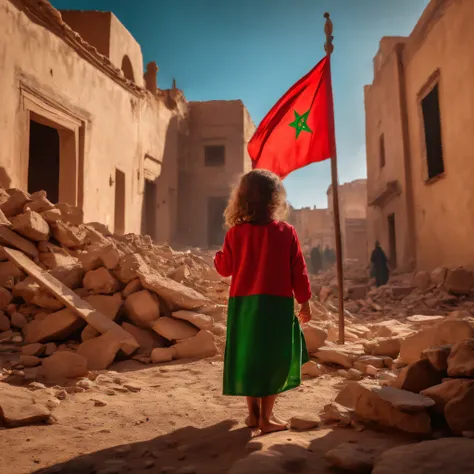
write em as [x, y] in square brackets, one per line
[328, 28]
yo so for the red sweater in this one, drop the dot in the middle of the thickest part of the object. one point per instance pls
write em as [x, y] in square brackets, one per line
[264, 260]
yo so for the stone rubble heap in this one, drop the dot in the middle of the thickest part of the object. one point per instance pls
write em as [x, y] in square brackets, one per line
[74, 297]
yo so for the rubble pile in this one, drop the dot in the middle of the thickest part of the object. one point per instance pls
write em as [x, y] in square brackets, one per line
[74, 297]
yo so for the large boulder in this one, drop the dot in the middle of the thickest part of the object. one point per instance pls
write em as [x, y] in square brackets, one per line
[442, 456]
[176, 295]
[143, 308]
[100, 351]
[446, 332]
[459, 281]
[31, 225]
[69, 235]
[315, 337]
[63, 365]
[438, 356]
[14, 203]
[174, 329]
[418, 376]
[458, 411]
[383, 346]
[446, 391]
[461, 359]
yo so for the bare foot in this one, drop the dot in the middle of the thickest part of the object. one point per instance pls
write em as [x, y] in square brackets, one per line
[252, 421]
[276, 419]
[271, 426]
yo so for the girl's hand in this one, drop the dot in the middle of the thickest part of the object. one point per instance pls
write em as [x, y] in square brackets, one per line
[305, 313]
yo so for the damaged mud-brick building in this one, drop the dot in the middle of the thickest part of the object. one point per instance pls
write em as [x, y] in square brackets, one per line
[419, 117]
[80, 119]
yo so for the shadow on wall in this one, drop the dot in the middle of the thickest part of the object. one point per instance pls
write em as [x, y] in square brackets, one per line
[5, 180]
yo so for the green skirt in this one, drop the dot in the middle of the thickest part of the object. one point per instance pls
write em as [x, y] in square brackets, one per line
[265, 346]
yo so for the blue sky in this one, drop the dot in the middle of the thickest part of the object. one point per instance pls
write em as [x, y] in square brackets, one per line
[255, 50]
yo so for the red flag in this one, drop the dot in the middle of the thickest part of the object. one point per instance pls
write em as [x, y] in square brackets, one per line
[299, 129]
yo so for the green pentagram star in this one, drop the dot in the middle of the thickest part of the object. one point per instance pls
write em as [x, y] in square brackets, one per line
[300, 123]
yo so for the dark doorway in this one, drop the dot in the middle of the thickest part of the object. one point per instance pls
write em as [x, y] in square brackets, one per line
[119, 224]
[149, 209]
[215, 220]
[392, 241]
[43, 165]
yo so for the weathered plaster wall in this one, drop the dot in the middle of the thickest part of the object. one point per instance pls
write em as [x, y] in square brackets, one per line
[117, 126]
[443, 209]
[314, 227]
[210, 123]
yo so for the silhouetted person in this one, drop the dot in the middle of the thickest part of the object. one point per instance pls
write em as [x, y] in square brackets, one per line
[379, 265]
[316, 260]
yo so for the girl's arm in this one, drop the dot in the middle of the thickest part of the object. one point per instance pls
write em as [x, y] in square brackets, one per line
[299, 273]
[223, 258]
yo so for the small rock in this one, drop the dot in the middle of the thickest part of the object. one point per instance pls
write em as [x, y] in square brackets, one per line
[4, 322]
[132, 388]
[101, 281]
[61, 395]
[35, 349]
[304, 423]
[354, 374]
[29, 361]
[53, 403]
[62, 365]
[18, 320]
[98, 402]
[418, 376]
[461, 359]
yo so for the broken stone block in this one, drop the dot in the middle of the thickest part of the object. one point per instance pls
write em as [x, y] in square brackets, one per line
[351, 457]
[53, 256]
[143, 308]
[107, 305]
[163, 354]
[8, 272]
[388, 346]
[31, 225]
[374, 361]
[461, 359]
[3, 220]
[337, 413]
[418, 376]
[199, 346]
[176, 295]
[315, 337]
[18, 320]
[458, 411]
[63, 365]
[29, 361]
[19, 407]
[354, 374]
[129, 267]
[50, 349]
[102, 255]
[40, 204]
[69, 275]
[313, 369]
[201, 321]
[174, 329]
[68, 235]
[340, 355]
[304, 423]
[35, 349]
[446, 391]
[101, 281]
[446, 332]
[146, 338]
[51, 216]
[438, 276]
[71, 214]
[132, 287]
[422, 280]
[12, 239]
[180, 274]
[401, 291]
[459, 281]
[443, 455]
[5, 298]
[53, 327]
[15, 203]
[358, 292]
[438, 356]
[4, 322]
[46, 300]
[100, 351]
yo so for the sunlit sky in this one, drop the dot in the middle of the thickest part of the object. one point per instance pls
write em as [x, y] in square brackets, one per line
[255, 50]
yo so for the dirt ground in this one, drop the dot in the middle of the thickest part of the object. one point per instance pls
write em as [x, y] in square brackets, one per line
[178, 422]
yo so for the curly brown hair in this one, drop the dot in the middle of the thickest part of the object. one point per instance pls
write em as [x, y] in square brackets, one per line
[259, 198]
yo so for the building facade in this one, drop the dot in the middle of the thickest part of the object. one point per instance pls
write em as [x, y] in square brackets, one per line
[419, 113]
[80, 119]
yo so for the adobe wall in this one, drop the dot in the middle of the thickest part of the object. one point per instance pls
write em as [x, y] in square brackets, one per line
[210, 123]
[443, 208]
[117, 125]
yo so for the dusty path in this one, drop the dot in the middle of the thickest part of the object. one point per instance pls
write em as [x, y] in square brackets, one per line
[178, 422]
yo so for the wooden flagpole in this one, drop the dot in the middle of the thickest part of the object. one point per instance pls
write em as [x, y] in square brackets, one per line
[329, 48]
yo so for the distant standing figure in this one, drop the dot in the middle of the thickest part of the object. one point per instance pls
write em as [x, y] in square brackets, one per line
[379, 265]
[316, 260]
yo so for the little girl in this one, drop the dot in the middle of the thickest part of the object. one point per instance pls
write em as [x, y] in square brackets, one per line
[265, 346]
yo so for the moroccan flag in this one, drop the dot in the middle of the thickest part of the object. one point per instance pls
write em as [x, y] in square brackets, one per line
[299, 129]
